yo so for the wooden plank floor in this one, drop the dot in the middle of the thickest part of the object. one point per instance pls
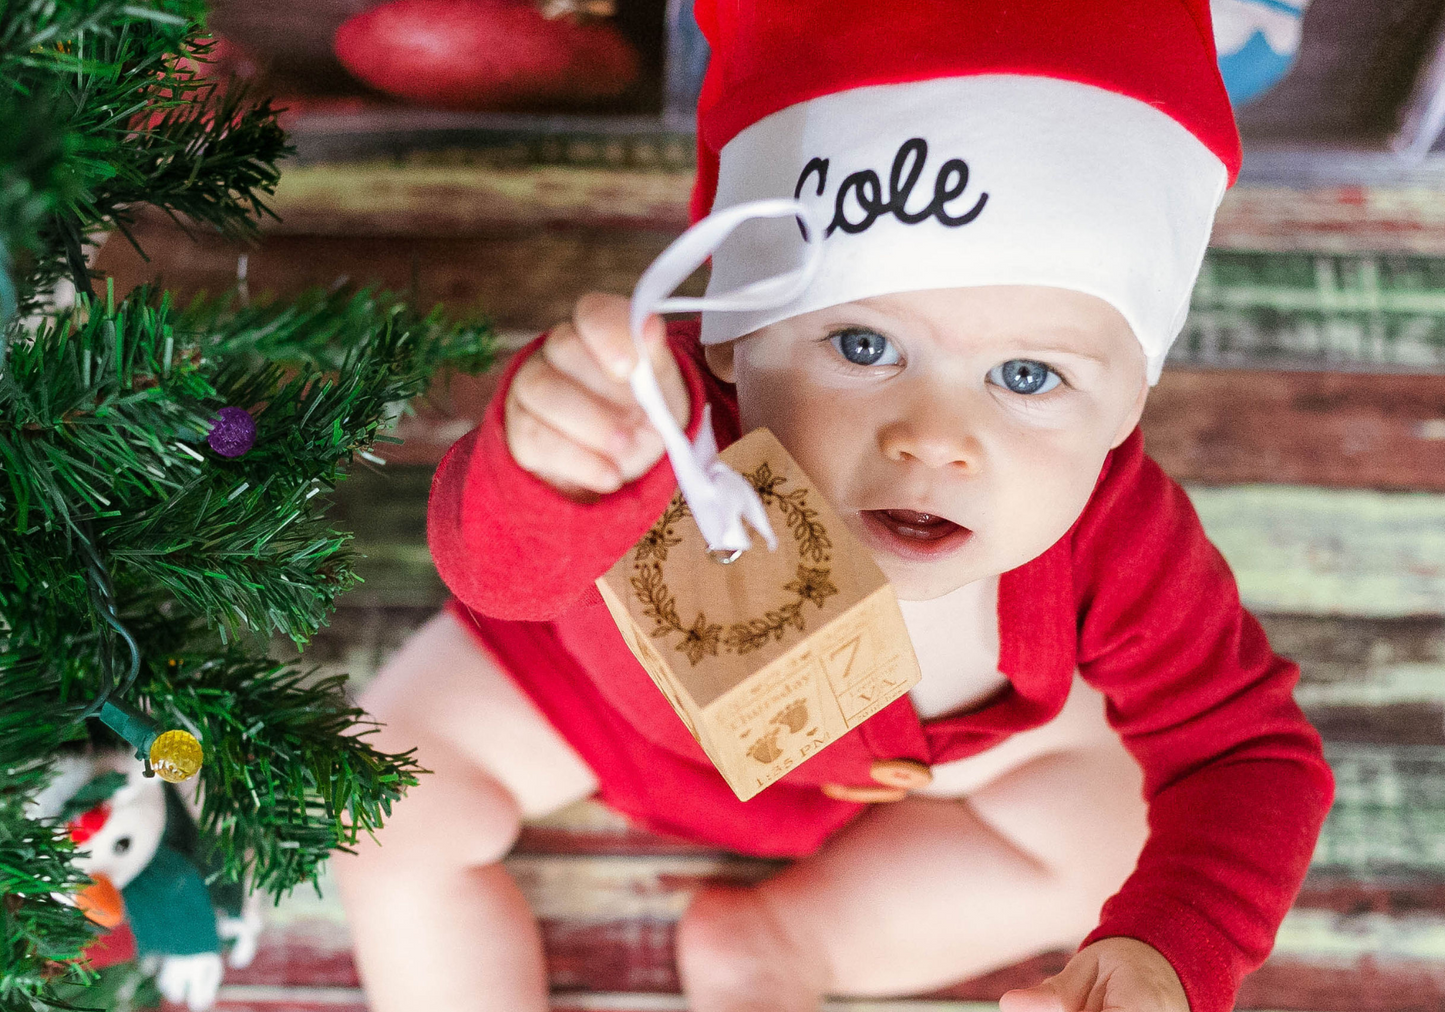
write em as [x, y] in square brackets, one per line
[1325, 491]
[1357, 939]
[1368, 932]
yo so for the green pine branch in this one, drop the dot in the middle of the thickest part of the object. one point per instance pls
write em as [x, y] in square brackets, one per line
[34, 181]
[288, 777]
[103, 418]
[137, 124]
[40, 34]
[115, 512]
[40, 934]
[103, 424]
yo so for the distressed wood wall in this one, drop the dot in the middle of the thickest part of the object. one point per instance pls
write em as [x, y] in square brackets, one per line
[1321, 481]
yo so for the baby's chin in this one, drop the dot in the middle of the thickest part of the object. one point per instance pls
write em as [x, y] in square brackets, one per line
[924, 581]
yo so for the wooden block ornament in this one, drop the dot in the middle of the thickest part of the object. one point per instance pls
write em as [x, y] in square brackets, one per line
[769, 658]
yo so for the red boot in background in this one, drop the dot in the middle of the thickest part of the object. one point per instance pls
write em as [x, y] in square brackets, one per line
[485, 54]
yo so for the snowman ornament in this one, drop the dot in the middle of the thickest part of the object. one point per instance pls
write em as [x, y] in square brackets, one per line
[149, 898]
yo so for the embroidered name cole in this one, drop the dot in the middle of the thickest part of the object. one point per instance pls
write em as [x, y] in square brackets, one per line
[867, 190]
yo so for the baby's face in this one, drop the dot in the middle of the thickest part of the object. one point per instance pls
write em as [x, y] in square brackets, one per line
[958, 432]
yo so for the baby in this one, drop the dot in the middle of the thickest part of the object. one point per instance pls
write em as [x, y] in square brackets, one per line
[1102, 751]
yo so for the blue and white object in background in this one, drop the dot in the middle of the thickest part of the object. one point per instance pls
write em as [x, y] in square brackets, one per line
[1257, 41]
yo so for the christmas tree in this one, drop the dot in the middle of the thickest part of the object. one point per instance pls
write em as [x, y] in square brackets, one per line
[165, 472]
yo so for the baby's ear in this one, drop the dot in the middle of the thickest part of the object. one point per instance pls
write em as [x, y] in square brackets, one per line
[720, 361]
[1132, 419]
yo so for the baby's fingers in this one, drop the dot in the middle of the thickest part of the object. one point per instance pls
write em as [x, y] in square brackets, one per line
[562, 402]
[570, 415]
[602, 325]
[565, 352]
[1116, 974]
[1074, 989]
[566, 465]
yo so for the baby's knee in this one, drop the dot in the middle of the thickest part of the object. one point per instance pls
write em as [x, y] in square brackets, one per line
[1097, 867]
[442, 687]
[457, 814]
[734, 955]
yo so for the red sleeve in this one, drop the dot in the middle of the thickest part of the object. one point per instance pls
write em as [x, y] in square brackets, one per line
[1237, 785]
[509, 545]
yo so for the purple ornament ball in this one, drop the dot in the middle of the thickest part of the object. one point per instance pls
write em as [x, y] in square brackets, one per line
[233, 433]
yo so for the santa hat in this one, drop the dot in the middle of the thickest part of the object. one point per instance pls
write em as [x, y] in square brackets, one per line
[945, 143]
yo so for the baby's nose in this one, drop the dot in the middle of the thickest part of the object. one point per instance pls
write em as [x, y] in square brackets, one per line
[932, 442]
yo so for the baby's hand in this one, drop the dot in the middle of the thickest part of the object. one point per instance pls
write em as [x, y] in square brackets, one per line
[1113, 974]
[570, 416]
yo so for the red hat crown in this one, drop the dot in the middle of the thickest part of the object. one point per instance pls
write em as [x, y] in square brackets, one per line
[768, 56]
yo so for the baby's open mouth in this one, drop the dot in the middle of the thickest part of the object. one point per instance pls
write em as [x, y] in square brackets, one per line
[915, 534]
[914, 525]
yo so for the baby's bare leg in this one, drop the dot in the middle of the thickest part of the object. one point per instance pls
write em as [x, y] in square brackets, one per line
[436, 921]
[925, 892]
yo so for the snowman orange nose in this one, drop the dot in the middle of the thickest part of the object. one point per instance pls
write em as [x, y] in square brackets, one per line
[101, 902]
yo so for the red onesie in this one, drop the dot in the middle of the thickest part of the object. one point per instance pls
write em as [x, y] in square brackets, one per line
[1133, 596]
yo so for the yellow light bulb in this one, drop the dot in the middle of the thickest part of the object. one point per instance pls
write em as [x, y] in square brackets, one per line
[176, 756]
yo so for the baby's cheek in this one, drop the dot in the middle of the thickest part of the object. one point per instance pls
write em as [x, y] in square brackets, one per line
[1045, 493]
[804, 419]
[762, 400]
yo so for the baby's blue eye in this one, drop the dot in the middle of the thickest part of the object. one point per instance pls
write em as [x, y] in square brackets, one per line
[864, 347]
[1024, 376]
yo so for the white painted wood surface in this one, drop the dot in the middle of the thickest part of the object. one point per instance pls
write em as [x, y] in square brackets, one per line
[1330, 551]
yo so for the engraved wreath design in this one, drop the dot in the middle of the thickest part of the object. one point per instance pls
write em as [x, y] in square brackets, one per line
[704, 638]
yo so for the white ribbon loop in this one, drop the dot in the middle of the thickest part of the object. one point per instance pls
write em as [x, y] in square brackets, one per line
[720, 499]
